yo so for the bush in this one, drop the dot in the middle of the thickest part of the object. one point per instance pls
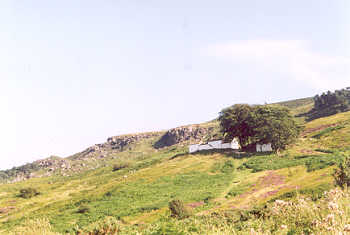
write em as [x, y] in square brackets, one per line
[109, 225]
[342, 174]
[119, 166]
[83, 210]
[28, 193]
[178, 209]
[223, 167]
[324, 150]
[228, 167]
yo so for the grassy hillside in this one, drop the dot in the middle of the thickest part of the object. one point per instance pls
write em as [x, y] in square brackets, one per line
[211, 183]
[298, 107]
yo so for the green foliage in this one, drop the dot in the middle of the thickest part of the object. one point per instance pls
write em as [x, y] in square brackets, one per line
[83, 210]
[275, 125]
[178, 209]
[272, 162]
[259, 124]
[326, 131]
[319, 162]
[28, 193]
[168, 228]
[228, 167]
[292, 104]
[330, 103]
[324, 150]
[238, 190]
[119, 166]
[136, 197]
[236, 121]
[25, 169]
[223, 167]
[314, 193]
[342, 174]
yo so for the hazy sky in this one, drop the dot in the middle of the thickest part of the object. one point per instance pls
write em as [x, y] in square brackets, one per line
[74, 72]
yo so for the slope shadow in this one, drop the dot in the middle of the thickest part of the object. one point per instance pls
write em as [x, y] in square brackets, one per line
[228, 152]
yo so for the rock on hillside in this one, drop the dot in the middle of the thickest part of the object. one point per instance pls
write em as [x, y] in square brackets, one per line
[194, 133]
[114, 144]
[119, 142]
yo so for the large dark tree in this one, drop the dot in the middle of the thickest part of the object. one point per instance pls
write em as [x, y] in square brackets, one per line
[330, 103]
[259, 124]
[236, 121]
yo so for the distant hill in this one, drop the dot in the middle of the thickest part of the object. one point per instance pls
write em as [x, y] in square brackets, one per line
[299, 107]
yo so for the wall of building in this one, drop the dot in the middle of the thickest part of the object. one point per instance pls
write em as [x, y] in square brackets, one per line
[264, 147]
[214, 145]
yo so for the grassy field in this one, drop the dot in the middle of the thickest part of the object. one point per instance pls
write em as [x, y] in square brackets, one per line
[216, 185]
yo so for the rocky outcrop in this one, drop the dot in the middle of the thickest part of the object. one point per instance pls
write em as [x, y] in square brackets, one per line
[114, 144]
[53, 164]
[193, 133]
[119, 142]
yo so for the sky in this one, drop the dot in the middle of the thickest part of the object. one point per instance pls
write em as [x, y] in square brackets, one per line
[74, 72]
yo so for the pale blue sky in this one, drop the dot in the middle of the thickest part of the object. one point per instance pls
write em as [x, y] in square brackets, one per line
[74, 72]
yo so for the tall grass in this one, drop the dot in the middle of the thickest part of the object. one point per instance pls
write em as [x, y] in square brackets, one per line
[301, 215]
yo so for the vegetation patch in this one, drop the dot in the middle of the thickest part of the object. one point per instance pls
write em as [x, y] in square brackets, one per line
[273, 162]
[319, 162]
[83, 210]
[315, 193]
[238, 190]
[178, 209]
[223, 167]
[324, 150]
[139, 196]
[25, 169]
[342, 174]
[28, 193]
[330, 103]
[119, 166]
[327, 130]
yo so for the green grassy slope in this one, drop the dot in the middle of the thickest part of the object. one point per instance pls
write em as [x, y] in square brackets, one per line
[205, 181]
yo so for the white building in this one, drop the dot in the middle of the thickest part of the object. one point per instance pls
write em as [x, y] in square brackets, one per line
[264, 147]
[217, 144]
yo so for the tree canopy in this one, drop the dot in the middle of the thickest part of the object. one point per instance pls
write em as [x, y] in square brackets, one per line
[259, 124]
[330, 103]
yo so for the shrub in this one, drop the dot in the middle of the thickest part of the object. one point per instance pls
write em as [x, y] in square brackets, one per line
[83, 210]
[119, 166]
[342, 174]
[223, 167]
[178, 209]
[324, 150]
[28, 192]
[228, 167]
[109, 225]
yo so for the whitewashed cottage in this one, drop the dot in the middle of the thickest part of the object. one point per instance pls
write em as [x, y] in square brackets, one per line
[264, 147]
[215, 144]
